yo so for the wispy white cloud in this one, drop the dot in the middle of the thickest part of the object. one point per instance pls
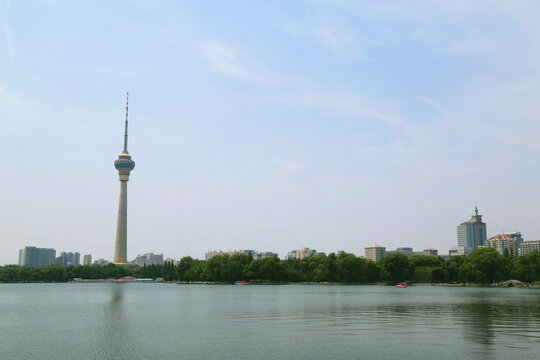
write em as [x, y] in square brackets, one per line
[35, 109]
[332, 32]
[342, 103]
[225, 60]
[331, 37]
[288, 167]
[13, 99]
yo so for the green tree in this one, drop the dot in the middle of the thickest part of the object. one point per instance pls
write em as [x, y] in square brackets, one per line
[292, 270]
[486, 265]
[395, 267]
[527, 267]
[184, 270]
[424, 260]
[269, 269]
[452, 269]
[352, 269]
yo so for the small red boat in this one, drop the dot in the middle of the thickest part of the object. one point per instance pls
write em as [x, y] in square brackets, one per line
[402, 285]
[241, 282]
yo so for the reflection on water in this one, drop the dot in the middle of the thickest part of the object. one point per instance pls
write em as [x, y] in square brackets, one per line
[489, 316]
[117, 342]
[482, 323]
[478, 322]
[165, 321]
[117, 293]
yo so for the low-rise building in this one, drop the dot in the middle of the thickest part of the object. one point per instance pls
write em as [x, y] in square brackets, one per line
[251, 253]
[148, 259]
[171, 261]
[407, 251]
[305, 252]
[210, 254]
[235, 252]
[430, 252]
[101, 262]
[459, 251]
[258, 255]
[302, 253]
[291, 255]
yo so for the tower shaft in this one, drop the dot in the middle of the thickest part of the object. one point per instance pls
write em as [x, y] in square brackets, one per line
[120, 249]
[124, 165]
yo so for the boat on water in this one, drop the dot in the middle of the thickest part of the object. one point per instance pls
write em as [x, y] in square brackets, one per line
[241, 282]
[402, 285]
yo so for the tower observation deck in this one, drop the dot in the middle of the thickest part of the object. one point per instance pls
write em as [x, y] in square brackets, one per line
[124, 165]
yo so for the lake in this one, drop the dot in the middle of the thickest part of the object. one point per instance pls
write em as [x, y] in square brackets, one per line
[169, 321]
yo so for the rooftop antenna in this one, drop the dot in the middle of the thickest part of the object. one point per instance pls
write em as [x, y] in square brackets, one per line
[125, 132]
[475, 208]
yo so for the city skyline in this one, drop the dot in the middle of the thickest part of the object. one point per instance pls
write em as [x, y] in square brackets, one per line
[350, 124]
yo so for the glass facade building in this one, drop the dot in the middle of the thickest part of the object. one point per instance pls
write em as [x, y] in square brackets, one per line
[472, 234]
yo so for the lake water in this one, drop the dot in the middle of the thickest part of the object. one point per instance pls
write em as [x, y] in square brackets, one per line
[168, 321]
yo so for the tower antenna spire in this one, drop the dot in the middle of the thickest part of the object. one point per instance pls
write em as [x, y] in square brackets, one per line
[126, 129]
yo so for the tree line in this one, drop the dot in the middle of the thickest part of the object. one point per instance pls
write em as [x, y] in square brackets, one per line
[482, 266]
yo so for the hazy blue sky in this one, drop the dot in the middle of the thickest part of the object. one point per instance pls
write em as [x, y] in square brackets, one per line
[267, 125]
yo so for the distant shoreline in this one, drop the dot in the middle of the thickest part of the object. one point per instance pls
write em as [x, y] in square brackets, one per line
[524, 285]
[274, 283]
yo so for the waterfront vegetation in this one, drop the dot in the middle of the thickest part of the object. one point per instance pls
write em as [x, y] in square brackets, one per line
[482, 266]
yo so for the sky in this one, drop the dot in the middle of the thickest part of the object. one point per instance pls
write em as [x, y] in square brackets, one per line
[267, 125]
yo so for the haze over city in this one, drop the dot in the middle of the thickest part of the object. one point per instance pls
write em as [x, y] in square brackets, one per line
[328, 124]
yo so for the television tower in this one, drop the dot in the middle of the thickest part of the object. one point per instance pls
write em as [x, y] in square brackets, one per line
[124, 165]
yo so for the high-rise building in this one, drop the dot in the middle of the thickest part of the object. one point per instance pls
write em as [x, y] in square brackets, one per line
[69, 258]
[87, 259]
[375, 252]
[33, 256]
[515, 235]
[472, 234]
[529, 246]
[502, 242]
[124, 165]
